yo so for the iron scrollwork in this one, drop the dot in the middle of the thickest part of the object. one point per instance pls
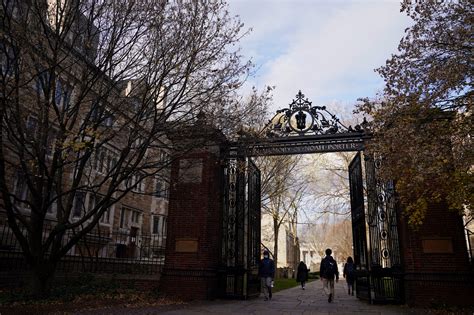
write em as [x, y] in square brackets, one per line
[302, 118]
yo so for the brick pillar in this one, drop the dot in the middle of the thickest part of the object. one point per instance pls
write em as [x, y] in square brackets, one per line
[194, 224]
[436, 261]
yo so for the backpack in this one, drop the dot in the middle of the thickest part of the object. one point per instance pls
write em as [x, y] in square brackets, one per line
[329, 268]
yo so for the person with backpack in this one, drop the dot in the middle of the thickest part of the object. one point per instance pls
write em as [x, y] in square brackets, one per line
[302, 275]
[349, 274]
[266, 271]
[328, 272]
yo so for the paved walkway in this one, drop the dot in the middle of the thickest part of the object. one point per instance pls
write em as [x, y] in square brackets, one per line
[291, 301]
[296, 301]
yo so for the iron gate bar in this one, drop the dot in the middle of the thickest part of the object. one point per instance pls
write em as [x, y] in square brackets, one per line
[254, 226]
[359, 236]
[241, 227]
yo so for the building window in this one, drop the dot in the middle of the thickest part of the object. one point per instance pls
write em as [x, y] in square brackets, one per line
[51, 142]
[136, 182]
[94, 200]
[42, 81]
[108, 119]
[163, 156]
[79, 204]
[136, 217]
[53, 202]
[104, 160]
[124, 218]
[102, 167]
[102, 115]
[129, 217]
[105, 216]
[22, 192]
[161, 188]
[158, 225]
[63, 94]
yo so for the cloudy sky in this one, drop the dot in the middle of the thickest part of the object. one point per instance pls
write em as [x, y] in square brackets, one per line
[327, 48]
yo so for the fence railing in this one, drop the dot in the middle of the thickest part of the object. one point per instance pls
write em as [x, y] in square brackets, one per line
[101, 251]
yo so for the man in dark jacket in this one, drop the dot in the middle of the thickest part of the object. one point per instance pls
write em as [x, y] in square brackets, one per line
[266, 271]
[328, 272]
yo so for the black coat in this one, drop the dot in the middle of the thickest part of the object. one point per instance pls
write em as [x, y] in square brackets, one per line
[349, 272]
[302, 274]
[324, 266]
[266, 268]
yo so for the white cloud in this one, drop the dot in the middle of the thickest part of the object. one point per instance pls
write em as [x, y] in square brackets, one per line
[327, 49]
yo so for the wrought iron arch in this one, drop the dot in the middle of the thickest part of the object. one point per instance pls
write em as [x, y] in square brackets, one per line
[302, 118]
[304, 128]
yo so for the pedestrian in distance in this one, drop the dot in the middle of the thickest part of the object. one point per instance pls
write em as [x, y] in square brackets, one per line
[302, 275]
[349, 275]
[328, 273]
[266, 272]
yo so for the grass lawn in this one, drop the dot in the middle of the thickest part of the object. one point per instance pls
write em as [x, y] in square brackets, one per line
[283, 284]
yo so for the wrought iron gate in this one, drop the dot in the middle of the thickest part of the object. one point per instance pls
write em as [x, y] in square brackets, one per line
[385, 263]
[359, 234]
[379, 271]
[241, 229]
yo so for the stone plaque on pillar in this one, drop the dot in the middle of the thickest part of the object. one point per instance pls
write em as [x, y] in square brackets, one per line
[437, 245]
[186, 245]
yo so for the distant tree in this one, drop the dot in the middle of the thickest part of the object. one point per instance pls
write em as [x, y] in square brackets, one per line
[88, 92]
[424, 121]
[329, 184]
[282, 191]
[327, 232]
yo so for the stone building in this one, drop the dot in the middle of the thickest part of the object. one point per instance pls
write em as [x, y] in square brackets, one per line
[288, 245]
[96, 124]
[310, 257]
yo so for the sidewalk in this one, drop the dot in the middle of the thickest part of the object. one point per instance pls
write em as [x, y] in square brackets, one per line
[297, 301]
[291, 301]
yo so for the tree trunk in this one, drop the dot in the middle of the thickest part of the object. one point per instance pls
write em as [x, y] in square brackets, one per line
[41, 279]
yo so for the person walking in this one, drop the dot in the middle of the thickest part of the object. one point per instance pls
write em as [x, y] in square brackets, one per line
[349, 274]
[302, 275]
[328, 272]
[266, 271]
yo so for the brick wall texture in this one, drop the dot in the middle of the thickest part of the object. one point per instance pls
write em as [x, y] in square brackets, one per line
[195, 216]
[436, 278]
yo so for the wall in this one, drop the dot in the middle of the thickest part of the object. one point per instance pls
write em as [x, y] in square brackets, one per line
[435, 260]
[194, 226]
